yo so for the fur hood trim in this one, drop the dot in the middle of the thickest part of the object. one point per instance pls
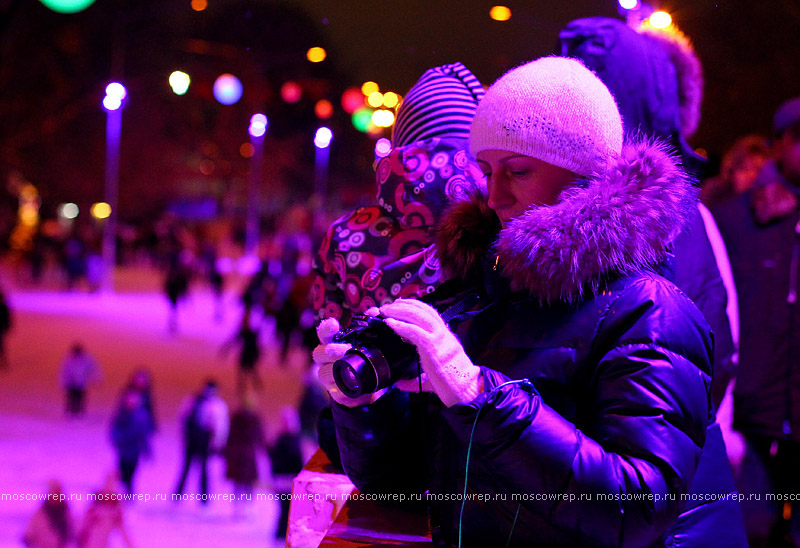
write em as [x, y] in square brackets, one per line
[617, 223]
[688, 71]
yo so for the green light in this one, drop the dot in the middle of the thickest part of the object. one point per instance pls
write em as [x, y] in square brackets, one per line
[362, 118]
[67, 6]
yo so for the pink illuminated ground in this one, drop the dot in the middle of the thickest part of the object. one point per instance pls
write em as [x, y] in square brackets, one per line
[123, 331]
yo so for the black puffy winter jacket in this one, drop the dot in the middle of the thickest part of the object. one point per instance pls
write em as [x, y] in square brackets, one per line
[604, 445]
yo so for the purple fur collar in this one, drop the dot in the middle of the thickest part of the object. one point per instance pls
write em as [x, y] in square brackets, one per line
[620, 222]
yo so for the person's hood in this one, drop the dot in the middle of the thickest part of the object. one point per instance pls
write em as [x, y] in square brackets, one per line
[654, 75]
[417, 182]
[620, 222]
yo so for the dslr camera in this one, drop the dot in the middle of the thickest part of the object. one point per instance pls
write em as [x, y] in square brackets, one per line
[378, 359]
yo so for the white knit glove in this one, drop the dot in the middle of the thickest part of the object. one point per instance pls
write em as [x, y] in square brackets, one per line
[452, 375]
[325, 354]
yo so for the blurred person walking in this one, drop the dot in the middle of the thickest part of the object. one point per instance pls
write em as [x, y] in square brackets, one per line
[761, 228]
[78, 371]
[246, 338]
[52, 526]
[740, 167]
[142, 382]
[104, 517]
[286, 456]
[246, 448]
[131, 429]
[205, 432]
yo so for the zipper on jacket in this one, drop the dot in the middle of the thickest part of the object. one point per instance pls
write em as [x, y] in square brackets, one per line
[791, 298]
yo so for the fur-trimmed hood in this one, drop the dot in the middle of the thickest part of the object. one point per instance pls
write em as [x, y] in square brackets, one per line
[620, 222]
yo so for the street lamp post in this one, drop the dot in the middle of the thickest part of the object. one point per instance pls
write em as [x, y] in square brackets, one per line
[258, 127]
[112, 102]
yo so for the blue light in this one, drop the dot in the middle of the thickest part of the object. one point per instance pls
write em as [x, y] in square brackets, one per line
[115, 93]
[258, 125]
[227, 89]
[383, 147]
[323, 137]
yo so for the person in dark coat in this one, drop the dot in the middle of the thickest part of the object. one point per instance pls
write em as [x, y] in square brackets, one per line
[286, 455]
[131, 430]
[656, 79]
[246, 444]
[571, 400]
[246, 338]
[761, 228]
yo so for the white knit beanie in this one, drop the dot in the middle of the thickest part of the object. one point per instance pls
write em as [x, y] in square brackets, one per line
[553, 109]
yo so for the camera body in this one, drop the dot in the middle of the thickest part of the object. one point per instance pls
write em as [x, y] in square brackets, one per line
[378, 359]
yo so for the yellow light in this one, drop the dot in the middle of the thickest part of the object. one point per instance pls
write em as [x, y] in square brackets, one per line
[375, 99]
[500, 13]
[390, 99]
[199, 5]
[660, 19]
[29, 214]
[368, 88]
[383, 118]
[316, 54]
[28, 192]
[101, 210]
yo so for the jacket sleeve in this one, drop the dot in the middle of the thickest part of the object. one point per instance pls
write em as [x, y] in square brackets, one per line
[381, 444]
[697, 274]
[617, 479]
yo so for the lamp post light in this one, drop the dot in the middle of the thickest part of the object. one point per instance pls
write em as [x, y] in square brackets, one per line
[112, 102]
[257, 130]
[322, 142]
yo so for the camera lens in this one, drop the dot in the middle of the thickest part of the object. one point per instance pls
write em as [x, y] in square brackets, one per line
[354, 375]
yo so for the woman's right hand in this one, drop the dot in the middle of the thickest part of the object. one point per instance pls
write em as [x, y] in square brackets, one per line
[325, 354]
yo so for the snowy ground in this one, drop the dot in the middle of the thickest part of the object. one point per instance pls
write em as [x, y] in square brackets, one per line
[124, 331]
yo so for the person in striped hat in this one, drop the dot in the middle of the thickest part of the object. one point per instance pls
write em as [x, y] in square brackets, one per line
[383, 251]
[377, 253]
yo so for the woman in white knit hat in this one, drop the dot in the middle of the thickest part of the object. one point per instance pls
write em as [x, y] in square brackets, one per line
[567, 394]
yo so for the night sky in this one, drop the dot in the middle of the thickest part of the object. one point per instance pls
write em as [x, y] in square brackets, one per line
[53, 68]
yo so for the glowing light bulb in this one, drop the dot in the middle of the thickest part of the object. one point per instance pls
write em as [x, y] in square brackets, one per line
[258, 125]
[227, 89]
[390, 99]
[179, 82]
[628, 4]
[383, 147]
[323, 137]
[382, 118]
[369, 87]
[316, 54]
[500, 13]
[660, 19]
[68, 210]
[375, 99]
[101, 210]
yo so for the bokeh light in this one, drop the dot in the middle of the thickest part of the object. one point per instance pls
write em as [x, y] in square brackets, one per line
[291, 92]
[227, 89]
[390, 99]
[628, 4]
[323, 109]
[179, 82]
[352, 100]
[68, 210]
[383, 118]
[500, 13]
[258, 125]
[67, 6]
[316, 54]
[247, 150]
[323, 137]
[362, 119]
[199, 5]
[383, 147]
[375, 99]
[369, 87]
[660, 19]
[100, 210]
[115, 93]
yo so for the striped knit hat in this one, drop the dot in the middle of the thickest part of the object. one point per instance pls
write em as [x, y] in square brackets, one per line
[441, 103]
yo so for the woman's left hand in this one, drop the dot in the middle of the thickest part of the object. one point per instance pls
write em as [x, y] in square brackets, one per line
[450, 372]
